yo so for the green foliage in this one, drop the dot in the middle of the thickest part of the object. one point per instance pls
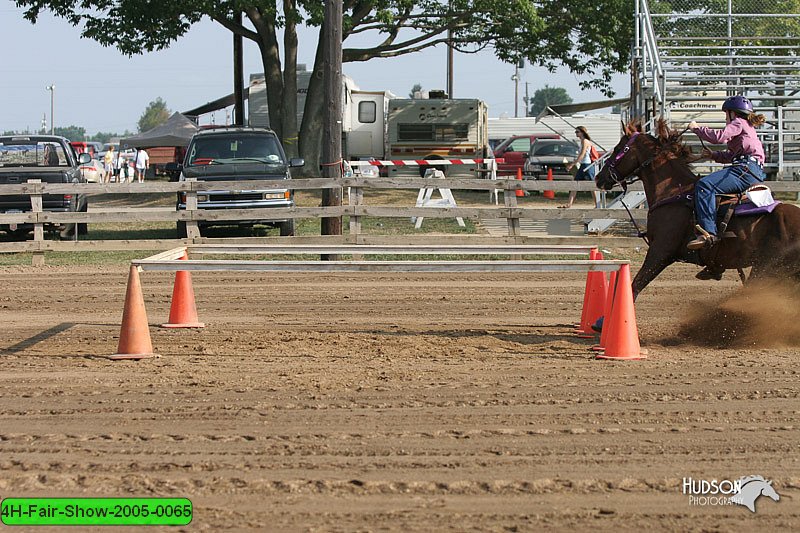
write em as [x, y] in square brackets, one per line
[104, 136]
[592, 38]
[548, 96]
[73, 133]
[154, 115]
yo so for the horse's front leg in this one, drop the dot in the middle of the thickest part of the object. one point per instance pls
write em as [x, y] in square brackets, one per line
[655, 262]
[657, 259]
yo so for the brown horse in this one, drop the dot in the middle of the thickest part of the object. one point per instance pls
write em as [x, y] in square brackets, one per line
[769, 243]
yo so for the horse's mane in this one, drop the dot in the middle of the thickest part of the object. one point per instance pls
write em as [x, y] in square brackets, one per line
[670, 144]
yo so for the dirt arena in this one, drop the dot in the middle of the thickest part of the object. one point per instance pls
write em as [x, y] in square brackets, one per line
[374, 402]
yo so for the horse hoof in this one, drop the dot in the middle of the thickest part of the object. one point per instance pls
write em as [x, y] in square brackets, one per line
[707, 274]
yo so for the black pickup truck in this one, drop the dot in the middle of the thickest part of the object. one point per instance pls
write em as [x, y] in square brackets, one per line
[238, 153]
[50, 159]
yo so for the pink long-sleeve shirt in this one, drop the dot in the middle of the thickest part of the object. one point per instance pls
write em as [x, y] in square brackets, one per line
[740, 137]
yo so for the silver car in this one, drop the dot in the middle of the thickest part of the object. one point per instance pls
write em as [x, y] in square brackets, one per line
[550, 154]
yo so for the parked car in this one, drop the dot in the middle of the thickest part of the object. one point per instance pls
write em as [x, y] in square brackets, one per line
[90, 147]
[48, 158]
[514, 151]
[93, 171]
[238, 153]
[552, 154]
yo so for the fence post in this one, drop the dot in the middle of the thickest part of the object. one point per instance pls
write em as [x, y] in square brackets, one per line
[355, 197]
[513, 221]
[38, 226]
[192, 229]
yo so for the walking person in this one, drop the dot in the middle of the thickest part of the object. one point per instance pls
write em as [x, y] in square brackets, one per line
[583, 162]
[141, 165]
[122, 168]
[108, 163]
[745, 154]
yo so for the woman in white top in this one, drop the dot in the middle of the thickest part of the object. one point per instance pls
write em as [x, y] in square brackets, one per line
[586, 171]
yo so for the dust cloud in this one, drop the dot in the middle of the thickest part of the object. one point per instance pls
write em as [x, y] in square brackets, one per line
[760, 315]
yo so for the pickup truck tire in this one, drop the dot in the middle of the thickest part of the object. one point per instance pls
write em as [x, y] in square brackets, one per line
[287, 228]
[83, 227]
[68, 233]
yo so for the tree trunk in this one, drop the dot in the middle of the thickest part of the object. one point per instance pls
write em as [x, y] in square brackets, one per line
[270, 58]
[311, 129]
[289, 130]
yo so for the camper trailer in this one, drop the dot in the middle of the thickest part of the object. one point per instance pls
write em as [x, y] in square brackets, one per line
[437, 128]
[364, 114]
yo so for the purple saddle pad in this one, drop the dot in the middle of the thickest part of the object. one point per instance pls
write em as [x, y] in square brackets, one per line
[749, 208]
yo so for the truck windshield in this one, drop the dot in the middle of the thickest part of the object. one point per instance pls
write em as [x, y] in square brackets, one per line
[249, 148]
[32, 154]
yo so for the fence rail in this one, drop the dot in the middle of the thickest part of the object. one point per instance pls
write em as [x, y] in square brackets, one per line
[355, 208]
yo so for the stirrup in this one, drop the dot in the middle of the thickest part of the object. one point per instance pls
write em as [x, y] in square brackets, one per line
[704, 239]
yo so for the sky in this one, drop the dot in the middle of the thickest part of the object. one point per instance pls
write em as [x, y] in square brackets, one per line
[100, 89]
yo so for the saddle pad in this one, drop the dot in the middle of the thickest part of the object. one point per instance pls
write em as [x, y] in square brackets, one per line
[749, 208]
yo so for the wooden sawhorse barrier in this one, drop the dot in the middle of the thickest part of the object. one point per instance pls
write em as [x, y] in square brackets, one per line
[134, 342]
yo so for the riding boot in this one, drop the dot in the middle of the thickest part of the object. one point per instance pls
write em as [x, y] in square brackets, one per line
[702, 241]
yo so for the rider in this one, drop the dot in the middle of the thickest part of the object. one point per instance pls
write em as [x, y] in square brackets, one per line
[745, 154]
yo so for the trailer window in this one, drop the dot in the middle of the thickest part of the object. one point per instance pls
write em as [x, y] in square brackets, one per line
[432, 132]
[367, 112]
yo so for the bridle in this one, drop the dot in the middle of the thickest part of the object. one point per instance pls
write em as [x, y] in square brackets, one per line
[633, 175]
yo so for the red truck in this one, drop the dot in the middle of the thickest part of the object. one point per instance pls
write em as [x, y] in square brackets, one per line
[514, 151]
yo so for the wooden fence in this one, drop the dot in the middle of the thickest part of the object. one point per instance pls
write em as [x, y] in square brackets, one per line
[354, 208]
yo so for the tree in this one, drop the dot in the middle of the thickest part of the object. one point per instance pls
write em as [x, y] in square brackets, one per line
[548, 96]
[155, 114]
[546, 33]
[414, 89]
[73, 133]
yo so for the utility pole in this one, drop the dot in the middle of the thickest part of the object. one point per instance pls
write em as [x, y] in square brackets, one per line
[449, 58]
[527, 101]
[332, 127]
[52, 89]
[238, 75]
[515, 79]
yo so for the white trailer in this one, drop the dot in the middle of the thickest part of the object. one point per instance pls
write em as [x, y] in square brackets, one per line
[437, 129]
[364, 114]
[364, 124]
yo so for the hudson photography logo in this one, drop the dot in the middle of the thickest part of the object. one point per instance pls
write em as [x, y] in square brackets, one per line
[743, 491]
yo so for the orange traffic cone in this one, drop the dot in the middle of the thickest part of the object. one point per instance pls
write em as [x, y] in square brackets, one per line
[520, 192]
[550, 195]
[623, 335]
[598, 289]
[592, 256]
[183, 311]
[134, 334]
[612, 287]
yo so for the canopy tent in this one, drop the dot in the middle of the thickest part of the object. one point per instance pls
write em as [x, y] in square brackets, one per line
[176, 131]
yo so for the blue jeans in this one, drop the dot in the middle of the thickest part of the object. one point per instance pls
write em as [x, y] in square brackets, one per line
[729, 180]
[586, 172]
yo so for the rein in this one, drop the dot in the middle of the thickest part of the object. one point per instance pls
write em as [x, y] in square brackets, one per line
[633, 176]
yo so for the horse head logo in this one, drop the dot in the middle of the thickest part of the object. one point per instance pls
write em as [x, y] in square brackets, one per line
[751, 488]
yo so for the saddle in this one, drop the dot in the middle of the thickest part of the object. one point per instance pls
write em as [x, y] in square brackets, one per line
[757, 200]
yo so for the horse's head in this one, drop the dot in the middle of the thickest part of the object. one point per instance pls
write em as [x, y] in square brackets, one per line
[625, 159]
[637, 151]
[768, 491]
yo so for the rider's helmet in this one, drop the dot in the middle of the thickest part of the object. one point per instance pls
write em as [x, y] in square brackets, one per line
[738, 103]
